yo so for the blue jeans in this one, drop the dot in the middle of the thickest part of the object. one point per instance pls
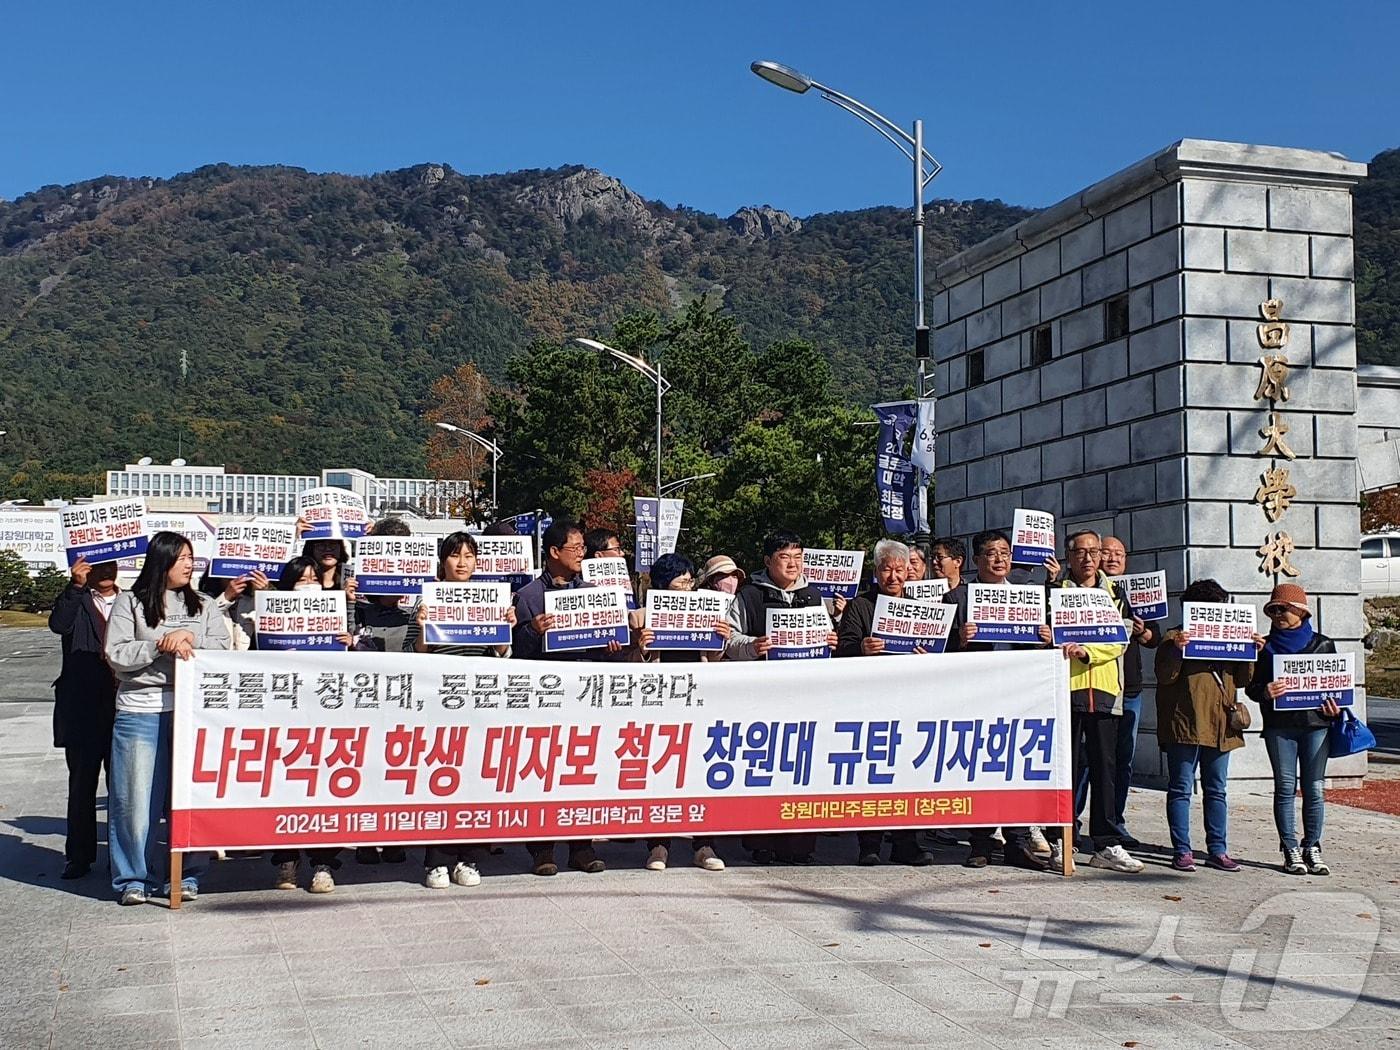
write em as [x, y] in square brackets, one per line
[138, 800]
[1289, 751]
[1182, 762]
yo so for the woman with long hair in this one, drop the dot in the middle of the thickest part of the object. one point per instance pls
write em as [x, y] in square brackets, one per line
[162, 619]
[454, 862]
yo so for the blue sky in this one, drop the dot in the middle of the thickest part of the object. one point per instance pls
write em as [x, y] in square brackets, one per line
[1028, 102]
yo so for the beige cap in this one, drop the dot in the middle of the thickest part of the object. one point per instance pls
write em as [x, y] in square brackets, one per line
[719, 565]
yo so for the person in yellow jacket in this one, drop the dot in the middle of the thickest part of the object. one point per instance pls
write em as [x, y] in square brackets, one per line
[1096, 705]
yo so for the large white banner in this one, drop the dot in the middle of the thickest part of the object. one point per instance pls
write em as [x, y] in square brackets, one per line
[36, 536]
[303, 749]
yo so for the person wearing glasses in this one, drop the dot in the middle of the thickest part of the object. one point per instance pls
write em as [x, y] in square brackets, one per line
[564, 549]
[945, 561]
[1296, 740]
[1096, 710]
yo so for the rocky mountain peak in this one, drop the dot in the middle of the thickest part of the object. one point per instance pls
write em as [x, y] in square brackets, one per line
[762, 223]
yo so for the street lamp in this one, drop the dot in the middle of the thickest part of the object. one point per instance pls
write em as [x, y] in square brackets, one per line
[926, 168]
[652, 372]
[486, 443]
[671, 486]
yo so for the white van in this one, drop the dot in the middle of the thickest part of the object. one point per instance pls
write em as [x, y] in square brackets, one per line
[1380, 565]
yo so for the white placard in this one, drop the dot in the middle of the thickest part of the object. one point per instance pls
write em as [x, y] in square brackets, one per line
[468, 613]
[686, 619]
[585, 618]
[1085, 616]
[925, 590]
[1032, 537]
[836, 574]
[242, 548]
[394, 564]
[1006, 612]
[333, 514]
[103, 532]
[799, 634]
[1146, 593]
[35, 535]
[300, 620]
[1219, 630]
[909, 625]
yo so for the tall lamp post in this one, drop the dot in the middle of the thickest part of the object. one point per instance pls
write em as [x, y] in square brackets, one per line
[652, 372]
[486, 443]
[926, 168]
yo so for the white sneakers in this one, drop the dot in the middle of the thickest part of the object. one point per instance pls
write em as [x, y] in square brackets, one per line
[463, 874]
[1057, 858]
[1116, 858]
[1036, 840]
[321, 879]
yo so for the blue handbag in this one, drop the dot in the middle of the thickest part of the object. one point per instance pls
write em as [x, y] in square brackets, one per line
[1349, 735]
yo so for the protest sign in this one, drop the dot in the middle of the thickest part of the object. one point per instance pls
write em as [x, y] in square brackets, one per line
[799, 634]
[686, 619]
[585, 618]
[609, 572]
[297, 750]
[505, 559]
[1006, 612]
[102, 532]
[1146, 593]
[394, 564]
[332, 514]
[925, 590]
[896, 480]
[1085, 616]
[469, 613]
[199, 529]
[658, 524]
[243, 548]
[908, 625]
[1310, 679]
[1219, 631]
[301, 620]
[1032, 537]
[35, 535]
[833, 573]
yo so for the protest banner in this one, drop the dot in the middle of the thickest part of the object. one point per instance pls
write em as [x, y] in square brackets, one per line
[686, 619]
[1032, 537]
[585, 618]
[1310, 679]
[836, 574]
[296, 750]
[925, 590]
[609, 572]
[896, 480]
[1006, 612]
[799, 634]
[332, 514]
[199, 529]
[300, 620]
[243, 548]
[658, 524]
[1219, 631]
[1085, 616]
[103, 532]
[1146, 593]
[908, 625]
[505, 559]
[36, 536]
[469, 613]
[394, 564]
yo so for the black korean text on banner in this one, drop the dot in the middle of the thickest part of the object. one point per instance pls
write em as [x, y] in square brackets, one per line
[103, 532]
[295, 750]
[505, 559]
[466, 613]
[1146, 593]
[1311, 679]
[1085, 616]
[300, 620]
[332, 514]
[686, 619]
[1006, 612]
[799, 634]
[925, 590]
[1032, 537]
[394, 565]
[911, 626]
[1219, 631]
[609, 572]
[586, 618]
[836, 574]
[36, 536]
[243, 548]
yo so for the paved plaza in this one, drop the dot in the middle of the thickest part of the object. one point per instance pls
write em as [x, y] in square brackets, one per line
[829, 956]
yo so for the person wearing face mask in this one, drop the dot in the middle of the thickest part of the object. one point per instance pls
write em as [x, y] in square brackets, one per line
[721, 574]
[1296, 740]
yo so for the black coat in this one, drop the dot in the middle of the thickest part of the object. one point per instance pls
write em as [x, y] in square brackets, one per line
[1258, 691]
[85, 692]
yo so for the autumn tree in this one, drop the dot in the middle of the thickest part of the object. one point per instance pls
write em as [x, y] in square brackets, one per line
[462, 399]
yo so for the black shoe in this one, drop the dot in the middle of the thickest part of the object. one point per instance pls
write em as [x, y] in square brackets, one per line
[366, 855]
[1128, 842]
[802, 859]
[868, 860]
[75, 869]
[585, 860]
[393, 855]
[763, 857]
[977, 860]
[918, 859]
[1020, 856]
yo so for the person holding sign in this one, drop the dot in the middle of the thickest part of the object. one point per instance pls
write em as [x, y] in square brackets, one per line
[992, 555]
[1095, 692]
[605, 544]
[1296, 739]
[1197, 728]
[855, 638]
[563, 547]
[453, 863]
[676, 573]
[160, 620]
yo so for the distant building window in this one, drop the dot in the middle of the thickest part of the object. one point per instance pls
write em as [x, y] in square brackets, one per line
[1041, 345]
[1115, 317]
[976, 368]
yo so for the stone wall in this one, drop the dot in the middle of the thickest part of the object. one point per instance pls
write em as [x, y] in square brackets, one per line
[1118, 344]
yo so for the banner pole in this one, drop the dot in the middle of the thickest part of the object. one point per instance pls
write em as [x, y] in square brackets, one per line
[177, 863]
[1067, 841]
